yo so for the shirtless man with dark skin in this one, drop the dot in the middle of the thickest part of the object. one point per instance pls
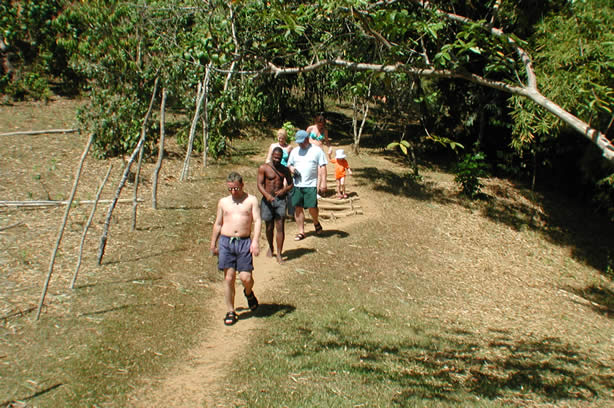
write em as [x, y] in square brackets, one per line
[274, 199]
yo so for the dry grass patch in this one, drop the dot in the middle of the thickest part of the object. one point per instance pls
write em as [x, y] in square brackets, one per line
[129, 317]
[431, 300]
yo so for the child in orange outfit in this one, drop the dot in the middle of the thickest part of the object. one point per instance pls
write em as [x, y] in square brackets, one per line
[341, 165]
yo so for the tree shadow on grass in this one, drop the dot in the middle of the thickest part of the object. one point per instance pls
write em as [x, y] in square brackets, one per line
[560, 220]
[327, 233]
[297, 253]
[452, 367]
[404, 185]
[266, 310]
[142, 257]
[599, 299]
[118, 308]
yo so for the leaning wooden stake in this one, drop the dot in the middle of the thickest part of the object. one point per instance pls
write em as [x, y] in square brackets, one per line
[200, 96]
[206, 118]
[122, 182]
[200, 93]
[138, 167]
[63, 225]
[154, 190]
[87, 226]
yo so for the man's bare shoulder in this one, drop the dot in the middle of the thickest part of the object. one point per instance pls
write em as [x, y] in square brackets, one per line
[252, 199]
[224, 201]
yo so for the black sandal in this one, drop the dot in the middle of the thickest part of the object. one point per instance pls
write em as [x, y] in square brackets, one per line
[252, 302]
[318, 228]
[299, 237]
[230, 318]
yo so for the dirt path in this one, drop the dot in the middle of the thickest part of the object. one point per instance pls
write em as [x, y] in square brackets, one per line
[197, 380]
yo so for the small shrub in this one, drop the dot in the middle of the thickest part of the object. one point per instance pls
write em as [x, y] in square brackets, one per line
[604, 195]
[468, 173]
[290, 129]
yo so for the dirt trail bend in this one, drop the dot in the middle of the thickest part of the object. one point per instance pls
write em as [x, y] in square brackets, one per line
[198, 379]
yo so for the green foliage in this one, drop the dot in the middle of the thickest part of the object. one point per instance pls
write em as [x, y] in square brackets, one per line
[468, 172]
[575, 66]
[31, 54]
[403, 145]
[604, 196]
[26, 85]
[290, 129]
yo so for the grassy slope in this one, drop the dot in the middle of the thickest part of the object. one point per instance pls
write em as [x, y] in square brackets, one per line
[427, 300]
[432, 301]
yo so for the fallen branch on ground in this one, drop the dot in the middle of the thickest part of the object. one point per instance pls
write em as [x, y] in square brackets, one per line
[52, 203]
[11, 226]
[39, 132]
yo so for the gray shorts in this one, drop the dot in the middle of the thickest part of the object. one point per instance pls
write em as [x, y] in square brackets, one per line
[275, 210]
[234, 253]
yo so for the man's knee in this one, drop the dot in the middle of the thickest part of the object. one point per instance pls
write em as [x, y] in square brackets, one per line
[229, 275]
[246, 278]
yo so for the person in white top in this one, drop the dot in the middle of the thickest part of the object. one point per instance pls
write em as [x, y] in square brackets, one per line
[308, 166]
[282, 141]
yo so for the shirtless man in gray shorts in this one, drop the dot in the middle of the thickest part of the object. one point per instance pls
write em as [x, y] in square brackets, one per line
[233, 227]
[274, 199]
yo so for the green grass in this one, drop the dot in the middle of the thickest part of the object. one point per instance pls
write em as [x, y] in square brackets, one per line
[398, 309]
[362, 333]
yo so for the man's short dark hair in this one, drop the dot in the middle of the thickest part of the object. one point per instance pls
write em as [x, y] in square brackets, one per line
[234, 177]
[279, 150]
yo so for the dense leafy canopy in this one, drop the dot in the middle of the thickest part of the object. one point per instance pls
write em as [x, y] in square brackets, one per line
[457, 68]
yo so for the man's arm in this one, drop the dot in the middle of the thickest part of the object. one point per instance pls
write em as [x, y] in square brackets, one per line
[326, 140]
[322, 178]
[289, 182]
[291, 162]
[322, 171]
[217, 228]
[255, 246]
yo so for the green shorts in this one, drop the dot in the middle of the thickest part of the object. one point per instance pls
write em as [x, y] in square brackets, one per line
[306, 197]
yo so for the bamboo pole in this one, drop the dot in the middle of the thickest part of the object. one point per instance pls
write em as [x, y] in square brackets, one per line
[122, 182]
[11, 226]
[39, 132]
[63, 225]
[140, 161]
[54, 203]
[87, 226]
[154, 190]
[200, 94]
[206, 118]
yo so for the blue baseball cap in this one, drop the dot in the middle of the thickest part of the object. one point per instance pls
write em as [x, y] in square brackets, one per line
[300, 136]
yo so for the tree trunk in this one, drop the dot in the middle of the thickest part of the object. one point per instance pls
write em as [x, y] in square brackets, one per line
[7, 67]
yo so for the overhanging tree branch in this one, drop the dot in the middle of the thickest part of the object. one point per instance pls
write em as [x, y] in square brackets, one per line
[529, 92]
